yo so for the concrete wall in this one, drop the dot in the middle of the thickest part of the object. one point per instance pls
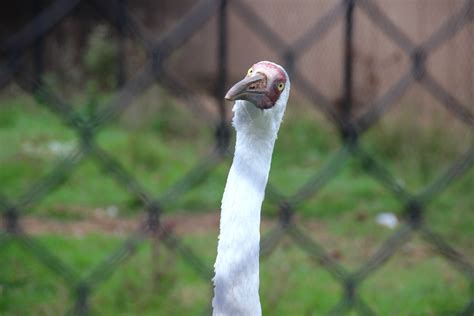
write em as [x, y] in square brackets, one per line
[378, 61]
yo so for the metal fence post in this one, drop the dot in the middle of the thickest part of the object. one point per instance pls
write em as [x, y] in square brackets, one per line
[121, 21]
[347, 131]
[223, 133]
[38, 49]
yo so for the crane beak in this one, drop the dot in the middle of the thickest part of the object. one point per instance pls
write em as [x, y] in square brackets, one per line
[251, 88]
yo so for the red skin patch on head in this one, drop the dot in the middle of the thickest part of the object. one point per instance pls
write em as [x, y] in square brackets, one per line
[280, 74]
[275, 76]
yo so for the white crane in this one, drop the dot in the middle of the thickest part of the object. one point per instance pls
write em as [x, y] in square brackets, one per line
[260, 102]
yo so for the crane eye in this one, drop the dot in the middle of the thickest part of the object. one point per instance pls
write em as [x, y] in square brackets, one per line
[281, 86]
[250, 72]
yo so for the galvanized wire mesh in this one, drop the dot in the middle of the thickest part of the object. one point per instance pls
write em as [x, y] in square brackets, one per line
[350, 127]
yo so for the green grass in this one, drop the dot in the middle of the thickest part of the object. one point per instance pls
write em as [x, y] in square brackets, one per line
[160, 152]
[166, 145]
[291, 282]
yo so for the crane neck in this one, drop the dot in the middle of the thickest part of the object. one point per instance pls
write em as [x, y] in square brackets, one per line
[237, 265]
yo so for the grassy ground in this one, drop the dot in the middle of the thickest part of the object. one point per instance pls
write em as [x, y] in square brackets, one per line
[161, 150]
[291, 282]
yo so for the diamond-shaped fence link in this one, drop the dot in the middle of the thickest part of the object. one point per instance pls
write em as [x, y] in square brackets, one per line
[350, 128]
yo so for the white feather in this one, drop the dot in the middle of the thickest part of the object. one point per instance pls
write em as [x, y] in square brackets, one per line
[236, 278]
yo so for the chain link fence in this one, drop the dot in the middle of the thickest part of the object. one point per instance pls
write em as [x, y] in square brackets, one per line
[350, 126]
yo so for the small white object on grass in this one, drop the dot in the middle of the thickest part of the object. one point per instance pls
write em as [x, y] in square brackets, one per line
[58, 148]
[387, 219]
[112, 211]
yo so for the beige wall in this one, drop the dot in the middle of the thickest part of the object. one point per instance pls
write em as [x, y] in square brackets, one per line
[378, 61]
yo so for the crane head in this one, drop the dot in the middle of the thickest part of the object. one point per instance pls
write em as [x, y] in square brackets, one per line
[262, 86]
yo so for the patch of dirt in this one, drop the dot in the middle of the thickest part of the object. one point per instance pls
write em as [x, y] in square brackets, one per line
[105, 224]
[100, 222]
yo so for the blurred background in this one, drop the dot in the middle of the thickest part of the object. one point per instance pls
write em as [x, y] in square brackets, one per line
[115, 143]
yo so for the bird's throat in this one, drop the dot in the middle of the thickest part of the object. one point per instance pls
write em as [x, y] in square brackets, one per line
[237, 264]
